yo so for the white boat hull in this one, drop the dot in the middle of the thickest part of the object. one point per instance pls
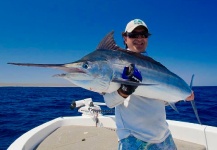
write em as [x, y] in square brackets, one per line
[195, 133]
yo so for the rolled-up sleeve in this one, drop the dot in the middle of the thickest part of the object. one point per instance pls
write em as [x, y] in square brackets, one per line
[113, 99]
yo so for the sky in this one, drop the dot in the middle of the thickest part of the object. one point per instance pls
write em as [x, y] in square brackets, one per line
[184, 35]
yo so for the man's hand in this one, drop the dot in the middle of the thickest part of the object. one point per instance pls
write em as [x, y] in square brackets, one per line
[191, 97]
[130, 73]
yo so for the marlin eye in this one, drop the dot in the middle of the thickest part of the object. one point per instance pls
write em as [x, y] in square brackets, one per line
[85, 65]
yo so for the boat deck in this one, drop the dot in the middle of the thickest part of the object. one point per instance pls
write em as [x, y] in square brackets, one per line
[92, 138]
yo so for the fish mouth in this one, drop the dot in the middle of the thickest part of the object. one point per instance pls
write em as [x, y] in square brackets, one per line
[76, 70]
[75, 74]
[76, 67]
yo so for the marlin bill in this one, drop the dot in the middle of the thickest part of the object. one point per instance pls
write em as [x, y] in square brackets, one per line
[101, 70]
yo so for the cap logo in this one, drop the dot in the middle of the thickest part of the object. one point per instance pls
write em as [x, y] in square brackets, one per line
[138, 21]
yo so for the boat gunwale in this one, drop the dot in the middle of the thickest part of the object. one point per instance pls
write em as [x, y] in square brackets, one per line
[180, 130]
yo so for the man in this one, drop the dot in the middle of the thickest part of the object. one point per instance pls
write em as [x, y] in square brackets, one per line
[141, 122]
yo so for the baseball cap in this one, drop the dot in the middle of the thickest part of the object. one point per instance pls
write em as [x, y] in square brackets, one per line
[135, 23]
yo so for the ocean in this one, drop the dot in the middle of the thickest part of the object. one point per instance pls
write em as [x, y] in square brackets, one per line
[23, 108]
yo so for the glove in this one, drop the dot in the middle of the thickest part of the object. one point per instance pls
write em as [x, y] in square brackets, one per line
[131, 73]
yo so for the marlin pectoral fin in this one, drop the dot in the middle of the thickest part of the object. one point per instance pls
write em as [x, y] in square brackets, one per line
[122, 81]
[55, 66]
[193, 103]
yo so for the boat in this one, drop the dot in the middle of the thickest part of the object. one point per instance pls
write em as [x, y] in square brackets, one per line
[93, 130]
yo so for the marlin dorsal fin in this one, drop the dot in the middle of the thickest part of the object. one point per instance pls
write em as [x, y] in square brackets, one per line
[108, 42]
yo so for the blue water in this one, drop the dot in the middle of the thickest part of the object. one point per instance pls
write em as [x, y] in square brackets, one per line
[23, 108]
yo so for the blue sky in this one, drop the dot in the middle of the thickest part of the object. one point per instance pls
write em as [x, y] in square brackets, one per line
[184, 35]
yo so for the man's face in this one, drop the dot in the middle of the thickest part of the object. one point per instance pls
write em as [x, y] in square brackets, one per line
[136, 44]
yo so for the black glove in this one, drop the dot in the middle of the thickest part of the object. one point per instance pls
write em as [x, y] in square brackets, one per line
[131, 73]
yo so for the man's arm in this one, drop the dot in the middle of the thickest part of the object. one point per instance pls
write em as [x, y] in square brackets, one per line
[113, 99]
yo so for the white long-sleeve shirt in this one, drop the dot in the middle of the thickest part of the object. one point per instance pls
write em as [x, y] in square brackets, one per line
[141, 117]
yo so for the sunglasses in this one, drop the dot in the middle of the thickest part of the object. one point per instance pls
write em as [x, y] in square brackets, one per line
[137, 34]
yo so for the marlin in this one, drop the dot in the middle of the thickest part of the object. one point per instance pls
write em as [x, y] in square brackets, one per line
[101, 71]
